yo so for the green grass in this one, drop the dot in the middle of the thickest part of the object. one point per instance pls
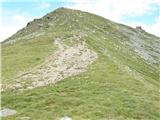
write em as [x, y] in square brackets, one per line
[102, 92]
[24, 55]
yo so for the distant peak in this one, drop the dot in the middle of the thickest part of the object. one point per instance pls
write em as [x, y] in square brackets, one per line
[62, 8]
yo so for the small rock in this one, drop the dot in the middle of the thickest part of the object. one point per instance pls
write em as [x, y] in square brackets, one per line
[66, 118]
[24, 118]
[7, 112]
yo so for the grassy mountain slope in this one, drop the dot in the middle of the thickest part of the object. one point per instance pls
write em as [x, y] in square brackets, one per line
[123, 82]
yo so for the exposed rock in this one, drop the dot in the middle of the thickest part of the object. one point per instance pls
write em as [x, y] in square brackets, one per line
[139, 27]
[7, 112]
[48, 17]
[28, 23]
[66, 118]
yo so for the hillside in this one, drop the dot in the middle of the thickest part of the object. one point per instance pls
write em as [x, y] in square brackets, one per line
[77, 64]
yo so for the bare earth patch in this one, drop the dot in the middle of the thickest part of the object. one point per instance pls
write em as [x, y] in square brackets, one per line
[67, 61]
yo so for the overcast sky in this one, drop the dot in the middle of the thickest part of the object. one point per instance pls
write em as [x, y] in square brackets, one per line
[15, 14]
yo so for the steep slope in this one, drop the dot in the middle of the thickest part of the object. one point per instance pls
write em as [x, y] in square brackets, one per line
[108, 70]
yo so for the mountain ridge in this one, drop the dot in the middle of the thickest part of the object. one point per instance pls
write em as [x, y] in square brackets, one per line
[63, 8]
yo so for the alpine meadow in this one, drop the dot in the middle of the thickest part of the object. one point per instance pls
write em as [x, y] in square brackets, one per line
[83, 66]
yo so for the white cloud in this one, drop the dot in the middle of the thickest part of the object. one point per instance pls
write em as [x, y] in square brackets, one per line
[16, 22]
[43, 5]
[19, 17]
[155, 28]
[115, 9]
[8, 31]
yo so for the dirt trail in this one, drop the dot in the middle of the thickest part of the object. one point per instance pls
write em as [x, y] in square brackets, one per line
[67, 61]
